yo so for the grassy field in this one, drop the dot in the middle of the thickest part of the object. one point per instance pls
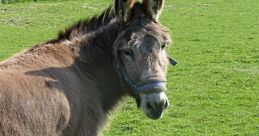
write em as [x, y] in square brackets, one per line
[213, 91]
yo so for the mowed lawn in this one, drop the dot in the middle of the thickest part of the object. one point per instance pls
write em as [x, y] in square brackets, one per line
[214, 90]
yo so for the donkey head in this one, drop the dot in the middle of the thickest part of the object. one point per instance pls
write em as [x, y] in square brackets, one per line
[139, 54]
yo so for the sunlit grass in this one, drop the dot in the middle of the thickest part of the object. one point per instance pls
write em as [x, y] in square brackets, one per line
[214, 90]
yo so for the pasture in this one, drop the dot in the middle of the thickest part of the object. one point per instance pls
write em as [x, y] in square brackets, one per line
[214, 90]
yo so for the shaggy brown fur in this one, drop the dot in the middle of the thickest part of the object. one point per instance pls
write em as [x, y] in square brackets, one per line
[66, 86]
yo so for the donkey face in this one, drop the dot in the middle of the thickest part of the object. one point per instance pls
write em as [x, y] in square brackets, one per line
[140, 56]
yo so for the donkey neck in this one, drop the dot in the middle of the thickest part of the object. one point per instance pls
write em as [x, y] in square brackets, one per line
[96, 61]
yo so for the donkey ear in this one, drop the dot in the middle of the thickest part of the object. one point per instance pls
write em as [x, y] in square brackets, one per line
[153, 8]
[123, 9]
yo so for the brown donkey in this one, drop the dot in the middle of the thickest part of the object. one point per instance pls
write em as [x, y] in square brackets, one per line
[68, 86]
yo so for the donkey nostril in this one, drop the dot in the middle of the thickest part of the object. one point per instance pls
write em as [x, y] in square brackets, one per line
[165, 104]
[162, 105]
[149, 106]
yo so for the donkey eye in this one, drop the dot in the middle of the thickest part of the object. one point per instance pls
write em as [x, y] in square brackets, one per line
[128, 53]
[163, 46]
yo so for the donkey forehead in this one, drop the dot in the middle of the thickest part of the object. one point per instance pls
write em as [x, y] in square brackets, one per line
[138, 33]
[148, 42]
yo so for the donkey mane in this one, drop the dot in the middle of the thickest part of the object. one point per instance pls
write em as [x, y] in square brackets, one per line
[85, 26]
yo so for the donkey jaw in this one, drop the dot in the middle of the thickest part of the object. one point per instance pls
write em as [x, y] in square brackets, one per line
[154, 104]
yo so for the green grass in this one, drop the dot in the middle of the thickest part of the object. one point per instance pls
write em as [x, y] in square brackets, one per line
[213, 91]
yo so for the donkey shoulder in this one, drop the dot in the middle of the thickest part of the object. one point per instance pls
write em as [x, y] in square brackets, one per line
[27, 105]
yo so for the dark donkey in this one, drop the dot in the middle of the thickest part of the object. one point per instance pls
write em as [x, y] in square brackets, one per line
[67, 86]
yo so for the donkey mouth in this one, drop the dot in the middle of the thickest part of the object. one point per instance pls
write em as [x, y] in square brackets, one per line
[154, 105]
[155, 115]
